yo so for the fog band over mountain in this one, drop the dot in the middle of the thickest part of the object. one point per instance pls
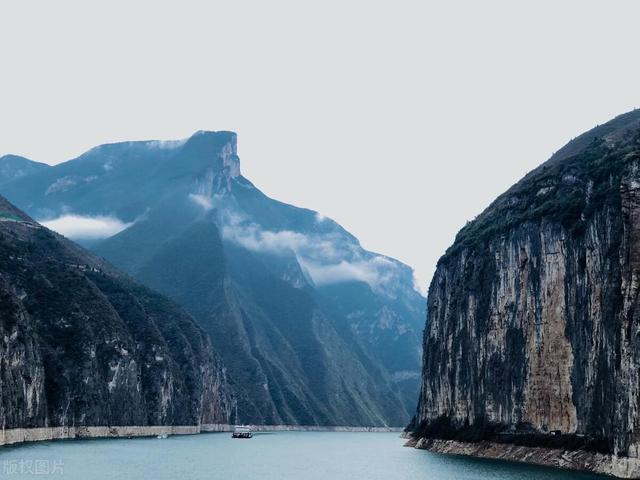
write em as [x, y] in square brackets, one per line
[79, 227]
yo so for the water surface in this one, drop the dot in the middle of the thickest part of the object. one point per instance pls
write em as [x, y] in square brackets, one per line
[267, 456]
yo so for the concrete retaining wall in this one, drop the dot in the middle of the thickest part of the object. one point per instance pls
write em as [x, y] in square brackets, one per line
[19, 435]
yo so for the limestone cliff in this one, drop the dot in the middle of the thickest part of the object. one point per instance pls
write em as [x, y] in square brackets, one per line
[533, 329]
[82, 345]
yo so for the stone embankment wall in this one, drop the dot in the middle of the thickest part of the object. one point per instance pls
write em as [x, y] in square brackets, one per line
[20, 435]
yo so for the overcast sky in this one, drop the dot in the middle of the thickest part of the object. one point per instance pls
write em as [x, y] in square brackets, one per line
[401, 120]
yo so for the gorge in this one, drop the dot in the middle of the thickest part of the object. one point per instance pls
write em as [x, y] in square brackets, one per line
[312, 328]
[205, 303]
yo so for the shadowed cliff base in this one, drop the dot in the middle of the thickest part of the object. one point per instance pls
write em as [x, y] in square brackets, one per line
[522, 435]
[580, 460]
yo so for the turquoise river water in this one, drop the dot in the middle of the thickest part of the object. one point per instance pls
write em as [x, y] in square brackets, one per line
[267, 456]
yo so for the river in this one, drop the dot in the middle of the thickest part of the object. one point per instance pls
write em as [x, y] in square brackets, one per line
[267, 456]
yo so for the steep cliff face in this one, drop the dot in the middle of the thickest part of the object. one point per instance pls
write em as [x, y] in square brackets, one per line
[82, 345]
[533, 321]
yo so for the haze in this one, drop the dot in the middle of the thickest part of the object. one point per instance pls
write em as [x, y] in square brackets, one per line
[400, 120]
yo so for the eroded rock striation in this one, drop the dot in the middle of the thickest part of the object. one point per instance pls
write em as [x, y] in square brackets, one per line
[82, 345]
[533, 332]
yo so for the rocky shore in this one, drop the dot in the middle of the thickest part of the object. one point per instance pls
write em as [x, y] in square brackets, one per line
[621, 467]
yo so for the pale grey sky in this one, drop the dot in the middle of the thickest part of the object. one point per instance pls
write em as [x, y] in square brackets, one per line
[400, 119]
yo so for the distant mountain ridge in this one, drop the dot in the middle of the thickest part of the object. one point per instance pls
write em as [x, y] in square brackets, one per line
[313, 328]
[13, 167]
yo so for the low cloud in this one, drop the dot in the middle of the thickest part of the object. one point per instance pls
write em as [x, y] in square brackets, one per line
[85, 227]
[326, 257]
[202, 200]
[255, 238]
[166, 144]
[367, 271]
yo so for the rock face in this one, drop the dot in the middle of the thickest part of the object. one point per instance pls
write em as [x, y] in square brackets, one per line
[533, 321]
[83, 345]
[314, 329]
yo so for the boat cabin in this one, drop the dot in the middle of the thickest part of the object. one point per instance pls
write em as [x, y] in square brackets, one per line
[242, 431]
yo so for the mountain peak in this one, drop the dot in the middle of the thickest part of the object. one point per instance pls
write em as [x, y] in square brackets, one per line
[610, 131]
[13, 167]
[215, 133]
[211, 137]
[226, 142]
[11, 157]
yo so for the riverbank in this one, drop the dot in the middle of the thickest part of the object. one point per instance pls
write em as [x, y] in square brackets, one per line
[621, 467]
[22, 435]
[279, 456]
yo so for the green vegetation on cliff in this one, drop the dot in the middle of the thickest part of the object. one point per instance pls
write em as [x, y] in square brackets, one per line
[566, 192]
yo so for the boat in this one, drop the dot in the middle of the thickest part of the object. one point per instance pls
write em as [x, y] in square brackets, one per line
[162, 436]
[242, 431]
